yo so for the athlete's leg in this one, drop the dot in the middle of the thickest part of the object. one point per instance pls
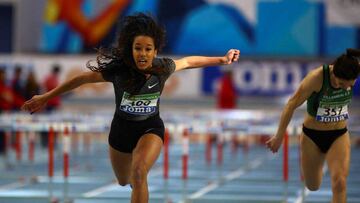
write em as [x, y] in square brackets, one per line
[121, 164]
[312, 162]
[338, 160]
[145, 154]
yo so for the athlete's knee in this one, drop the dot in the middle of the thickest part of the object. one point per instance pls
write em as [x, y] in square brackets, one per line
[139, 172]
[312, 186]
[123, 181]
[338, 183]
[312, 183]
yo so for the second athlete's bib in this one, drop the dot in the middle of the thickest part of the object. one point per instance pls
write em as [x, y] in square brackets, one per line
[332, 113]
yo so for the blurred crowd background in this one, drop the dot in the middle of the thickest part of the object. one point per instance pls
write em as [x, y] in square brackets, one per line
[45, 42]
[280, 41]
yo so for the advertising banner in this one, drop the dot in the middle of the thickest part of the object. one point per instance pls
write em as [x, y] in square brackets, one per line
[258, 77]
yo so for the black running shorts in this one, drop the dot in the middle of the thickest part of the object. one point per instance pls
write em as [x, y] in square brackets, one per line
[125, 134]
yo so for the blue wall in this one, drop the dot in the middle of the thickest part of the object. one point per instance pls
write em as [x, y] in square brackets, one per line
[283, 28]
[6, 22]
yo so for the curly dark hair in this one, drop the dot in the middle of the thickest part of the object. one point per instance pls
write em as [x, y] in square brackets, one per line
[130, 27]
[120, 58]
[347, 66]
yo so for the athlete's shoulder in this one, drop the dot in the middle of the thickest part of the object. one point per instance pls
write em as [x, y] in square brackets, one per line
[115, 69]
[166, 65]
[163, 61]
[314, 78]
[114, 65]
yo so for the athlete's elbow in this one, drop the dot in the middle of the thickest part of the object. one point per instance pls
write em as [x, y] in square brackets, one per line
[290, 106]
[84, 78]
[293, 103]
[75, 82]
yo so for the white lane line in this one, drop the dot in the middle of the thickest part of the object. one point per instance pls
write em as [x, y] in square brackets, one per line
[231, 176]
[105, 188]
[100, 190]
[11, 186]
[204, 190]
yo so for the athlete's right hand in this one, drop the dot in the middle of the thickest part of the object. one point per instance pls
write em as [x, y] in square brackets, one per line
[36, 103]
[274, 143]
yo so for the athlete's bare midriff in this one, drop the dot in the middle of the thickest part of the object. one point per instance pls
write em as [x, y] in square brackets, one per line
[312, 123]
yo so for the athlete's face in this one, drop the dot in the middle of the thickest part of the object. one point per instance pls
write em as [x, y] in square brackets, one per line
[144, 51]
[341, 83]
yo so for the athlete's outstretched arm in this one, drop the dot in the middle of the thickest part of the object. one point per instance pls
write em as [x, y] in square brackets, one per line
[309, 85]
[38, 102]
[202, 61]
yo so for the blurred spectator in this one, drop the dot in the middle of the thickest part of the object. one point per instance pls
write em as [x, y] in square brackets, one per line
[227, 97]
[17, 88]
[6, 96]
[52, 81]
[6, 102]
[32, 87]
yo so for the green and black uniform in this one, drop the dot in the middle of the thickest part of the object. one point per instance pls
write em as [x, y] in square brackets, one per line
[328, 105]
[137, 112]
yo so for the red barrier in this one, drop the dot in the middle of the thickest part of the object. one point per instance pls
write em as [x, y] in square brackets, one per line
[18, 145]
[234, 144]
[208, 149]
[246, 146]
[6, 143]
[66, 150]
[220, 143]
[51, 152]
[185, 156]
[286, 158]
[31, 146]
[166, 154]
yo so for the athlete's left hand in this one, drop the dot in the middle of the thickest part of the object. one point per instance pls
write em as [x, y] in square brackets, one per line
[232, 55]
[274, 143]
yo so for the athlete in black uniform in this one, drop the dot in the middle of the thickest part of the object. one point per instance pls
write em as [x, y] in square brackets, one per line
[138, 77]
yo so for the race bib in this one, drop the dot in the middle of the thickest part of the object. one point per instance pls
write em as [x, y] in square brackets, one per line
[332, 114]
[144, 104]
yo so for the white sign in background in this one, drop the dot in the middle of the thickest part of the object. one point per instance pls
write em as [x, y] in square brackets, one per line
[183, 84]
[262, 72]
[343, 12]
